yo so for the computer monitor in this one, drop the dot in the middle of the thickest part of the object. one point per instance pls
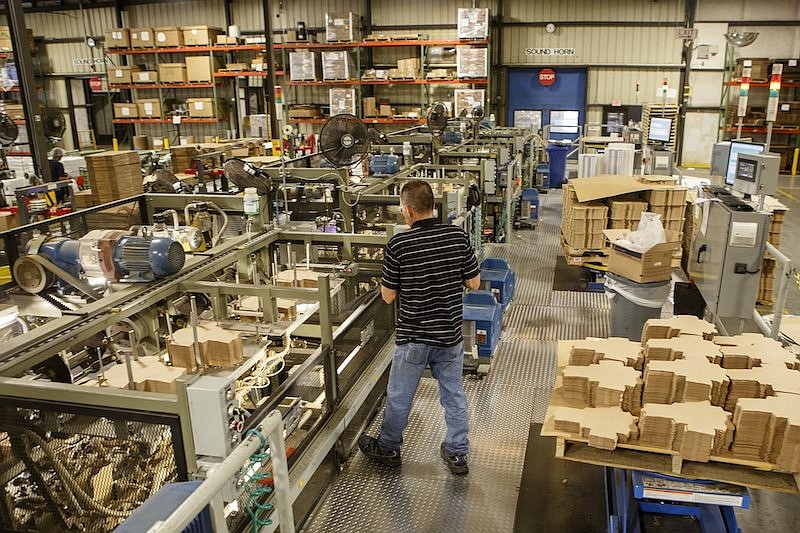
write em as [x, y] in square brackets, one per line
[564, 121]
[739, 147]
[660, 129]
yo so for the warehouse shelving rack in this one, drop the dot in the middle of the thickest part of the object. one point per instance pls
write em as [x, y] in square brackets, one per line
[424, 83]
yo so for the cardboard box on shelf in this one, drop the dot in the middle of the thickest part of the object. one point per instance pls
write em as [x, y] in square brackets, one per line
[642, 267]
[471, 62]
[305, 111]
[259, 125]
[342, 27]
[172, 72]
[126, 110]
[385, 110]
[337, 65]
[342, 101]
[259, 63]
[144, 76]
[200, 35]
[122, 74]
[15, 111]
[8, 221]
[225, 40]
[149, 108]
[370, 107]
[118, 38]
[200, 107]
[167, 36]
[473, 23]
[201, 68]
[7, 44]
[142, 38]
[303, 66]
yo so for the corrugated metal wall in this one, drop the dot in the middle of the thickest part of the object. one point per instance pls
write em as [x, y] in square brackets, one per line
[588, 10]
[189, 13]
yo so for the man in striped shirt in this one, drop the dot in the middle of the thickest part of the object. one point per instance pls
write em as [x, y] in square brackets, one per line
[427, 267]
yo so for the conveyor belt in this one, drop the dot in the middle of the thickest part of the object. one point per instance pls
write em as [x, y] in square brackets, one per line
[61, 333]
[423, 496]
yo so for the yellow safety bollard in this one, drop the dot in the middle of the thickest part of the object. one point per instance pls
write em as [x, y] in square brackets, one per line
[115, 144]
[794, 161]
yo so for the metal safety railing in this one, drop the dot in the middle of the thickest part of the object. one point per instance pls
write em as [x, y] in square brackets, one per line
[269, 431]
[781, 294]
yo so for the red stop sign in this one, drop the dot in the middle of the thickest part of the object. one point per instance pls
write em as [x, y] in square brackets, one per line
[95, 84]
[547, 77]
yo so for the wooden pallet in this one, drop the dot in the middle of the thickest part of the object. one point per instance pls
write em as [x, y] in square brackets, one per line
[636, 456]
[377, 38]
[744, 475]
[579, 257]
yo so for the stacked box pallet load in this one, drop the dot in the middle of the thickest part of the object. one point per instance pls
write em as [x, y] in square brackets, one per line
[114, 175]
[729, 402]
[670, 202]
[582, 226]
[766, 283]
[625, 213]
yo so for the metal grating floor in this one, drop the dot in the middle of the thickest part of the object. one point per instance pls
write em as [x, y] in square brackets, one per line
[422, 496]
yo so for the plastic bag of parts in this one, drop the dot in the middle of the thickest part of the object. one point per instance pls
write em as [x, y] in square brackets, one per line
[650, 233]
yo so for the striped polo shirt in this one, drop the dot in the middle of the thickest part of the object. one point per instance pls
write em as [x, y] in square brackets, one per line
[427, 266]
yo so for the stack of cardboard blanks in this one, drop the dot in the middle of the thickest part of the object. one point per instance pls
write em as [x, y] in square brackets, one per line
[684, 347]
[625, 214]
[666, 328]
[669, 201]
[753, 349]
[591, 350]
[696, 430]
[608, 383]
[583, 224]
[218, 347]
[304, 278]
[684, 380]
[114, 175]
[604, 427]
[149, 375]
[769, 429]
[760, 382]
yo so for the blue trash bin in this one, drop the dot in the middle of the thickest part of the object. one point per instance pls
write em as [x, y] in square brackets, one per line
[557, 157]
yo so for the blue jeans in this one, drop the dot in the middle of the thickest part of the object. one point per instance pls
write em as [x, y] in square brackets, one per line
[408, 365]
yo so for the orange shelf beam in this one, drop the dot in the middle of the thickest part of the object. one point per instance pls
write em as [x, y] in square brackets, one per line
[162, 85]
[184, 120]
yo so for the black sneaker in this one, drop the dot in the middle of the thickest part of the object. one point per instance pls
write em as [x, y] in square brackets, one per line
[370, 447]
[456, 463]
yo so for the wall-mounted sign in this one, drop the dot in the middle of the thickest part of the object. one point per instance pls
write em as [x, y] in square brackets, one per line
[547, 77]
[550, 52]
[87, 61]
[96, 84]
[686, 33]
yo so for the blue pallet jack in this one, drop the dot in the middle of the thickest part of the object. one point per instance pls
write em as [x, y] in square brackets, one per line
[630, 493]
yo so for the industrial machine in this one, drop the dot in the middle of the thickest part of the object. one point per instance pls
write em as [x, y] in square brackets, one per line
[727, 252]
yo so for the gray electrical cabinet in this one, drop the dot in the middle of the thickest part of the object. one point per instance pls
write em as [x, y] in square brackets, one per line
[726, 258]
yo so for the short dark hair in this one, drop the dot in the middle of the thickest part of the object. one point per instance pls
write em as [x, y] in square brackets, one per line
[417, 194]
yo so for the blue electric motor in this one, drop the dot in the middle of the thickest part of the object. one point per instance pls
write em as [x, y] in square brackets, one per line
[384, 164]
[498, 278]
[485, 311]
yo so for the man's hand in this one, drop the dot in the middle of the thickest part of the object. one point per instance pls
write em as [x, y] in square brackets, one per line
[388, 295]
[472, 284]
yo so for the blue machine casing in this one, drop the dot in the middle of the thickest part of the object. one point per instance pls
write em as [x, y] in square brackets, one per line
[501, 279]
[532, 197]
[482, 308]
[162, 504]
[384, 164]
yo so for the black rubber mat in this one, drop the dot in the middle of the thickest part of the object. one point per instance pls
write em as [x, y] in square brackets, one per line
[570, 278]
[558, 496]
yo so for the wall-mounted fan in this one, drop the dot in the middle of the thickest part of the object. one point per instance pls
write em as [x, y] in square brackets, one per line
[8, 130]
[244, 175]
[54, 124]
[477, 112]
[164, 181]
[376, 136]
[437, 117]
[344, 140]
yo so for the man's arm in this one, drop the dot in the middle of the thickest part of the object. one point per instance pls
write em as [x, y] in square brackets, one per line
[472, 283]
[388, 295]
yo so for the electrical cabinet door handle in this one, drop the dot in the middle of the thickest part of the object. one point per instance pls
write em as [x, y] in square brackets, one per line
[700, 252]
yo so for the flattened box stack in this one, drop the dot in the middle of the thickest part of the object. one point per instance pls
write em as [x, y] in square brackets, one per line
[114, 175]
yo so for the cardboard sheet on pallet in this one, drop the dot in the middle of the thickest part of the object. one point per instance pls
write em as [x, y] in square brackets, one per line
[606, 186]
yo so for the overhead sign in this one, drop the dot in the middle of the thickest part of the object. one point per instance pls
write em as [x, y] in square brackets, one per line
[547, 77]
[686, 33]
[550, 52]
